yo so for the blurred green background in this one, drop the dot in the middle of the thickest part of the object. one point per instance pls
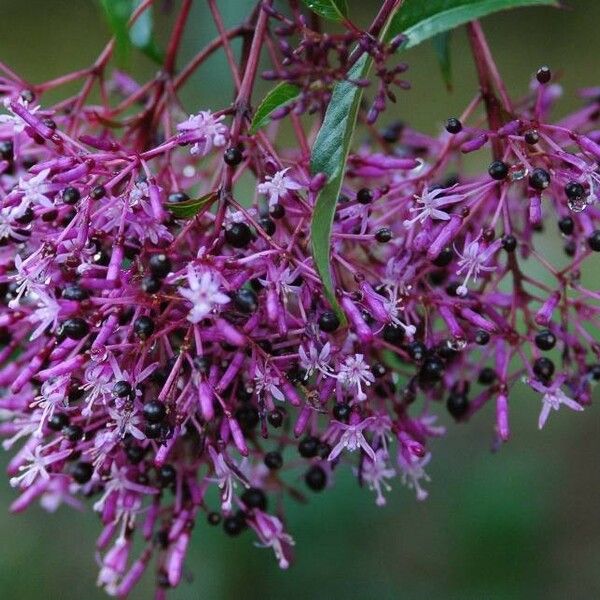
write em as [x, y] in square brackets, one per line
[520, 523]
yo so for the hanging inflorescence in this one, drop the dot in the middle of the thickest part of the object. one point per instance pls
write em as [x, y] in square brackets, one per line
[148, 358]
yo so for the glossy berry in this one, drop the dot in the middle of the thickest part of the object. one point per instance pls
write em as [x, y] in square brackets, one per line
[273, 460]
[308, 447]
[383, 235]
[595, 372]
[154, 411]
[328, 321]
[234, 525]
[417, 351]
[543, 368]
[543, 75]
[393, 334]
[277, 211]
[498, 170]
[566, 225]
[82, 472]
[545, 340]
[150, 284]
[432, 370]
[57, 421]
[509, 243]
[275, 418]
[75, 328]
[254, 498]
[143, 327]
[364, 196]
[71, 195]
[341, 411]
[316, 478]
[444, 258]
[122, 389]
[73, 433]
[98, 192]
[246, 301]
[574, 190]
[482, 337]
[457, 405]
[154, 431]
[238, 235]
[74, 292]
[233, 156]
[532, 137]
[453, 125]
[167, 475]
[267, 225]
[539, 179]
[487, 376]
[160, 265]
[594, 241]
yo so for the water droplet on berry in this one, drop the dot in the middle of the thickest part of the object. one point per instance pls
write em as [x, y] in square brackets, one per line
[578, 204]
[518, 172]
[457, 344]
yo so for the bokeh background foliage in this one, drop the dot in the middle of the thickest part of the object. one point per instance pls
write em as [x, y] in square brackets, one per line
[520, 523]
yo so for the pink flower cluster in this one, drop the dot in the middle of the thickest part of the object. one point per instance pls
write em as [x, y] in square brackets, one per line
[147, 357]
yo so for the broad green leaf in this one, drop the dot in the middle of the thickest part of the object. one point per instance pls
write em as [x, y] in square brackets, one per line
[281, 95]
[334, 10]
[420, 20]
[441, 45]
[329, 155]
[190, 208]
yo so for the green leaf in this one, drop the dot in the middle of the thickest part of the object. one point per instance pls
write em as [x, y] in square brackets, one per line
[329, 155]
[190, 208]
[281, 95]
[140, 35]
[334, 10]
[117, 13]
[441, 45]
[420, 20]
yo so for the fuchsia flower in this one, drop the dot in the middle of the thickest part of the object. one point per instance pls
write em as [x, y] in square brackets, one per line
[168, 346]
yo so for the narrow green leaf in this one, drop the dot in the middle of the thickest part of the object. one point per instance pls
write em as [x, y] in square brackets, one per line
[281, 95]
[420, 20]
[441, 45]
[329, 155]
[190, 208]
[334, 10]
[140, 35]
[117, 13]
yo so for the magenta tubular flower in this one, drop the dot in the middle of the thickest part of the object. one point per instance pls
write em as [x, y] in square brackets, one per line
[165, 333]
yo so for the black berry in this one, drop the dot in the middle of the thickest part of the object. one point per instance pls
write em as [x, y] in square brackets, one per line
[453, 125]
[238, 235]
[498, 170]
[75, 328]
[545, 340]
[539, 179]
[143, 327]
[328, 321]
[316, 478]
[233, 156]
[154, 411]
[160, 265]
